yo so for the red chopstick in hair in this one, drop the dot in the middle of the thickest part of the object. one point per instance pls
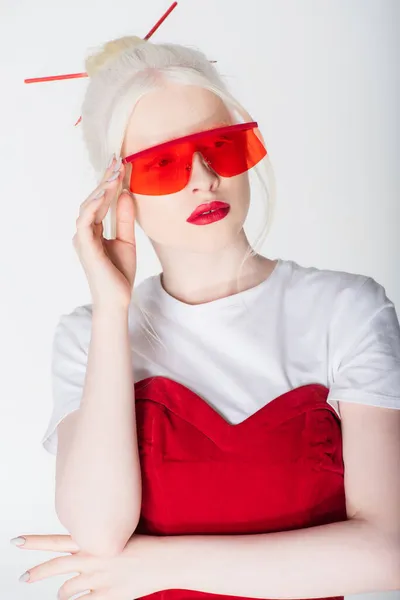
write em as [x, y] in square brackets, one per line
[157, 25]
[78, 75]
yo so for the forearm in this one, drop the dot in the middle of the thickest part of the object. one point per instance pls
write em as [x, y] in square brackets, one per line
[329, 560]
[99, 497]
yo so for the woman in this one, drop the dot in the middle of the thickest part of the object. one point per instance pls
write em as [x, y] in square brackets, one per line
[264, 390]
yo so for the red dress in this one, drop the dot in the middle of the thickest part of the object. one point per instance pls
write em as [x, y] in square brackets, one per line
[280, 469]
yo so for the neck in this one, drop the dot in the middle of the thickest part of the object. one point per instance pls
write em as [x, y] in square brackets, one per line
[199, 277]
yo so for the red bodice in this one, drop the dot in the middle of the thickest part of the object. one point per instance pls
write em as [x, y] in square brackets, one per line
[280, 469]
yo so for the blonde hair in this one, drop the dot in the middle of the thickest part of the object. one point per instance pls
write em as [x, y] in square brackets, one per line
[123, 71]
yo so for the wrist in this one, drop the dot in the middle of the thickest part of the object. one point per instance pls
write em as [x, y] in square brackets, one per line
[168, 553]
[177, 560]
[110, 310]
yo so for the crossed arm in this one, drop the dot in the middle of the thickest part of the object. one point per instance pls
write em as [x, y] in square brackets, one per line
[350, 557]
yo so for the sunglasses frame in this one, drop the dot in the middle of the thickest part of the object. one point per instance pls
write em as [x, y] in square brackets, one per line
[191, 136]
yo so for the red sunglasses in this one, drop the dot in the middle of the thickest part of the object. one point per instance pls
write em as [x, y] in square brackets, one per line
[166, 168]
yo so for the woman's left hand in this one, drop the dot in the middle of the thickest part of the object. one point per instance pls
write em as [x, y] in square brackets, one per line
[138, 570]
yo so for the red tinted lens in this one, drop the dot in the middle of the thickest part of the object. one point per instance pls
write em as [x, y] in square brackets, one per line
[161, 172]
[167, 168]
[233, 153]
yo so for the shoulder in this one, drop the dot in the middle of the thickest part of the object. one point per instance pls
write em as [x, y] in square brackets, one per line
[346, 291]
[347, 305]
[333, 280]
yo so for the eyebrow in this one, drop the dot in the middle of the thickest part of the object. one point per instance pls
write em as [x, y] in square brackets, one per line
[197, 134]
[152, 143]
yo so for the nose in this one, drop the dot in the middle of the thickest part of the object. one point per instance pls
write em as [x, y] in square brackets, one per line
[202, 176]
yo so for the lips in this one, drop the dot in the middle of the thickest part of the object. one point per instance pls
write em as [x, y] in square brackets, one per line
[203, 208]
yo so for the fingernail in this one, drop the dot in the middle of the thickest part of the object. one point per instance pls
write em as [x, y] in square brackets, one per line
[113, 177]
[18, 541]
[99, 194]
[24, 577]
[118, 165]
[111, 161]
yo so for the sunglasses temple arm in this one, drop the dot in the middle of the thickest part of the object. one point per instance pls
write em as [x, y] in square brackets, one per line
[247, 117]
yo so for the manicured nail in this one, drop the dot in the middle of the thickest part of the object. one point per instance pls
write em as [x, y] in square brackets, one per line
[111, 161]
[113, 177]
[118, 165]
[99, 194]
[24, 577]
[18, 541]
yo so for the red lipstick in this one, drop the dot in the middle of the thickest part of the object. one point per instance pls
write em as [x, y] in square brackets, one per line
[218, 211]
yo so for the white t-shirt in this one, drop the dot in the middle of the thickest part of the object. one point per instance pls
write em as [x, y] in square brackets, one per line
[301, 325]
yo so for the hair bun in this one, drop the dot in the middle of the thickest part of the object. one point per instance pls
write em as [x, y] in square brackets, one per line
[109, 51]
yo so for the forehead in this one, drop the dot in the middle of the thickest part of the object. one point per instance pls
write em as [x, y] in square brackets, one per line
[173, 111]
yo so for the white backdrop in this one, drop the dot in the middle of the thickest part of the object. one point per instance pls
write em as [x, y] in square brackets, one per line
[322, 79]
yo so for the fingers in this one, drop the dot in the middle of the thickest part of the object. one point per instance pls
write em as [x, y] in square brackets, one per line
[93, 210]
[114, 166]
[109, 182]
[59, 566]
[125, 219]
[54, 542]
[77, 585]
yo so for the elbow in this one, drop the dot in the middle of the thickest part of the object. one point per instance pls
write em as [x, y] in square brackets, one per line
[99, 546]
[112, 547]
[103, 550]
[98, 542]
[106, 548]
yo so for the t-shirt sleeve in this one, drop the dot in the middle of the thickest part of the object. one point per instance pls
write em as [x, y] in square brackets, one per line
[68, 369]
[365, 349]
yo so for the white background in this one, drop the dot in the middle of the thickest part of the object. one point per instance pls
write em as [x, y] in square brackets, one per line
[322, 79]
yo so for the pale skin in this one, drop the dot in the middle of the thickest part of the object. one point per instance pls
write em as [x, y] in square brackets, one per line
[199, 264]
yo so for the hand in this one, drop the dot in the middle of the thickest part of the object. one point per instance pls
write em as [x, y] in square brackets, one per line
[140, 569]
[110, 265]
